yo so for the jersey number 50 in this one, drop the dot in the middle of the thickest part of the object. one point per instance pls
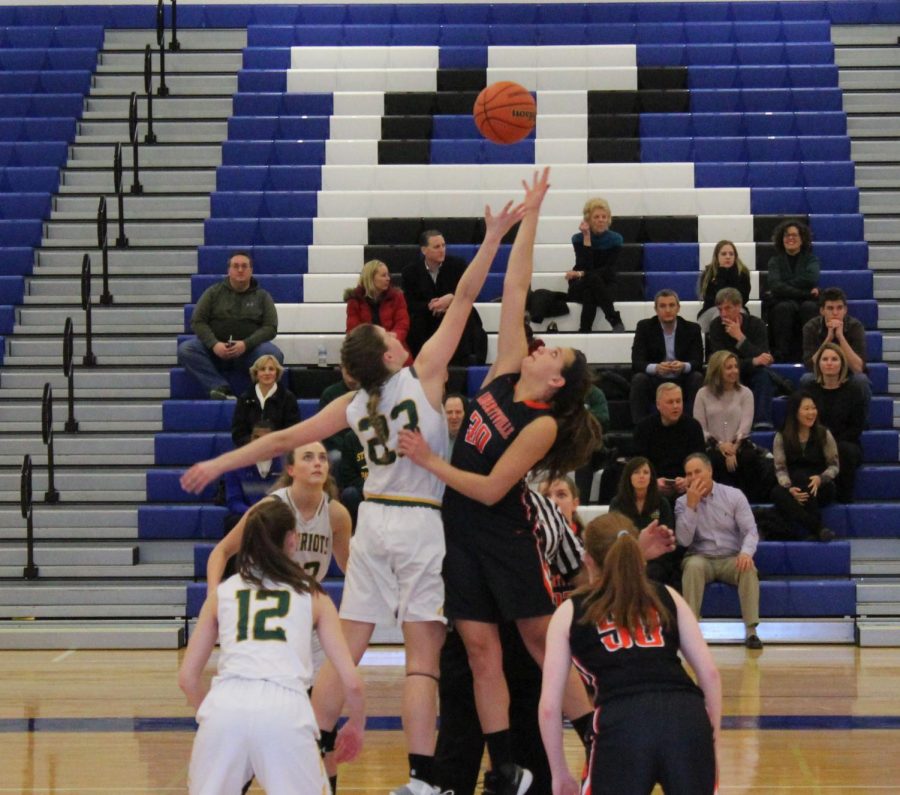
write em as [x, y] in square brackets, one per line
[261, 615]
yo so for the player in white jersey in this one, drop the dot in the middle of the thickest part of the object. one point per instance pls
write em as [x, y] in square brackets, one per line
[256, 719]
[322, 524]
[394, 572]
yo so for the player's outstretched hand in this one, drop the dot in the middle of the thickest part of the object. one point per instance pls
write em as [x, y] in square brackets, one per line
[535, 192]
[505, 220]
[413, 445]
[199, 476]
[349, 742]
[655, 540]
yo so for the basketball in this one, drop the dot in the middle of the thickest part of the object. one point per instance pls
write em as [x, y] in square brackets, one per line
[504, 112]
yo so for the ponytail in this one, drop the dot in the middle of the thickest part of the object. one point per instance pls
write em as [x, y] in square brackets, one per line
[621, 591]
[362, 356]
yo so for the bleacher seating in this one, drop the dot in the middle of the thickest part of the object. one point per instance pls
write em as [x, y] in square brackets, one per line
[730, 117]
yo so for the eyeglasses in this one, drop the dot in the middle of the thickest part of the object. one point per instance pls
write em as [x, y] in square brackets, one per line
[791, 234]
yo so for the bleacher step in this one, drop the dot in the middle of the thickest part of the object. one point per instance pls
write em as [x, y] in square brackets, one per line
[162, 155]
[135, 206]
[811, 631]
[880, 176]
[144, 232]
[74, 479]
[208, 84]
[881, 201]
[882, 230]
[54, 317]
[98, 634]
[68, 521]
[80, 444]
[56, 289]
[122, 261]
[878, 633]
[43, 347]
[104, 570]
[172, 107]
[176, 62]
[165, 181]
[877, 151]
[166, 130]
[212, 39]
[868, 101]
[104, 378]
[71, 555]
[85, 410]
[849, 35]
[871, 127]
[884, 256]
[849, 57]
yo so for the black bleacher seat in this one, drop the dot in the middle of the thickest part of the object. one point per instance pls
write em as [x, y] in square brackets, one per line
[309, 382]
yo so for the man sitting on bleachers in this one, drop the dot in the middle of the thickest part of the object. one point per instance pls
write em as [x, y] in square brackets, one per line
[665, 348]
[835, 325]
[715, 523]
[747, 338]
[667, 438]
[234, 322]
[429, 286]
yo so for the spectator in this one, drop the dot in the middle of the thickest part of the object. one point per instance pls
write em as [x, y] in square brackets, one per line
[247, 486]
[806, 464]
[592, 281]
[835, 325]
[842, 409]
[233, 322]
[639, 499]
[725, 270]
[665, 348]
[745, 336]
[715, 523]
[265, 400]
[429, 286]
[791, 288]
[596, 404]
[375, 301]
[455, 406]
[667, 438]
[724, 409]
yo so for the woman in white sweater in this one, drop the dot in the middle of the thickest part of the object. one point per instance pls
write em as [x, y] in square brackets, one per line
[724, 409]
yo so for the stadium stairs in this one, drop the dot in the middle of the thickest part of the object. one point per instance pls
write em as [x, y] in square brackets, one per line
[869, 62]
[308, 245]
[100, 584]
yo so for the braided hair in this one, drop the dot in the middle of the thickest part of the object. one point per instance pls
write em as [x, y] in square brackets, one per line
[362, 356]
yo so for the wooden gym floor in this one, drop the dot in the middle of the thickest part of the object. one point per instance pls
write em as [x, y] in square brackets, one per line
[813, 720]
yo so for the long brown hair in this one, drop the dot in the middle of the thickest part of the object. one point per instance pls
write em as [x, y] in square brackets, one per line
[790, 430]
[711, 272]
[285, 479]
[578, 433]
[625, 495]
[621, 591]
[262, 555]
[362, 356]
[715, 372]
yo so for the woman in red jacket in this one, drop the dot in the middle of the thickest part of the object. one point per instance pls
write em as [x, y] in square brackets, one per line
[374, 300]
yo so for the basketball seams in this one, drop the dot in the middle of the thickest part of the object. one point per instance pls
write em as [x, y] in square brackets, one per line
[493, 112]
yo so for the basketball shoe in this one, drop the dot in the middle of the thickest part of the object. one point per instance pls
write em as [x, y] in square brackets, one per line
[416, 786]
[507, 780]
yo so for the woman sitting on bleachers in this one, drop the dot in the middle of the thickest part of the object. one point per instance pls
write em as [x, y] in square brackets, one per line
[724, 409]
[591, 282]
[725, 270]
[264, 400]
[639, 499]
[792, 291]
[842, 403]
[806, 464]
[375, 301]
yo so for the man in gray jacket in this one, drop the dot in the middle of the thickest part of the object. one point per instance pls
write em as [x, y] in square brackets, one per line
[234, 321]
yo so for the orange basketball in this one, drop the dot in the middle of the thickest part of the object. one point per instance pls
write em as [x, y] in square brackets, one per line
[504, 112]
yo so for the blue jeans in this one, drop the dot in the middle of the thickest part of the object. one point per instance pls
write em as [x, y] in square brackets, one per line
[213, 372]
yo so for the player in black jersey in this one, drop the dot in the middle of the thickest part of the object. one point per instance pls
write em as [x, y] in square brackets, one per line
[652, 723]
[528, 415]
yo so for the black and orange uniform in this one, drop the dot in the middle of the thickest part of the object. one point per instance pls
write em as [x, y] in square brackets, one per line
[650, 721]
[494, 570]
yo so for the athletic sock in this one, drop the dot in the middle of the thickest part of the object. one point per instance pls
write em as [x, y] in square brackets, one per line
[332, 781]
[499, 748]
[421, 767]
[584, 726]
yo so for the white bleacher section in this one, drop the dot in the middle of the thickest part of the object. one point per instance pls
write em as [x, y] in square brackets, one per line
[304, 328]
[355, 187]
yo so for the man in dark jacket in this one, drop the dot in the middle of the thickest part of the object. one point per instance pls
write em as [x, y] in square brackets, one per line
[665, 348]
[745, 336]
[429, 286]
[234, 321]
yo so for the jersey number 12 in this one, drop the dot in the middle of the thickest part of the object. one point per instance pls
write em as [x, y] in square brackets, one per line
[261, 614]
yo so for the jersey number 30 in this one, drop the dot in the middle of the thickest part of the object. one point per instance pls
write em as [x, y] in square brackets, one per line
[261, 614]
[380, 453]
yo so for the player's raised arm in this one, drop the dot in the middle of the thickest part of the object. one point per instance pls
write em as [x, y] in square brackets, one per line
[512, 346]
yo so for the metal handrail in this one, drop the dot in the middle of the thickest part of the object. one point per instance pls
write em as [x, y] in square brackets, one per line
[88, 360]
[121, 240]
[71, 425]
[103, 244]
[174, 44]
[136, 186]
[163, 90]
[51, 495]
[149, 137]
[30, 572]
